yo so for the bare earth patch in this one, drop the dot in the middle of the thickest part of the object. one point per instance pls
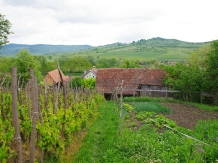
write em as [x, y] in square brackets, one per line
[188, 116]
[184, 115]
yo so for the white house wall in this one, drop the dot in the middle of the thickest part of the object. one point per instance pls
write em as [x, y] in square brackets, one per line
[90, 75]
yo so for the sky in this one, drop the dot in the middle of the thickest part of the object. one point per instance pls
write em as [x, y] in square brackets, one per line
[101, 22]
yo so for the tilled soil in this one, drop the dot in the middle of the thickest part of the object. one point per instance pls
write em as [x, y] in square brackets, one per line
[188, 116]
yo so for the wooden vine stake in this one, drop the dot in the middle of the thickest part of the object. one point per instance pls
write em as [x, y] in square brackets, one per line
[121, 106]
[64, 87]
[15, 114]
[34, 92]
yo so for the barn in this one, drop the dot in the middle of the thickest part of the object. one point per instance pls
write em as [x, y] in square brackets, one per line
[134, 80]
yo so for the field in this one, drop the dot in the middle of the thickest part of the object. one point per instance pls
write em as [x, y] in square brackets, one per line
[176, 133]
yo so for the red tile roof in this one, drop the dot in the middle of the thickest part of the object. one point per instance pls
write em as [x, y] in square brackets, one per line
[110, 78]
[55, 76]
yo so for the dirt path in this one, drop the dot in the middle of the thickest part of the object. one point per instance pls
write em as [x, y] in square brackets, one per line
[187, 116]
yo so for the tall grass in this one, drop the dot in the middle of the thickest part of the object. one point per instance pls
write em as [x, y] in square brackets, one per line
[148, 99]
[150, 107]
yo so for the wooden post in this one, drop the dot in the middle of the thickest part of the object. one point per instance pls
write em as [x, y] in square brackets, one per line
[15, 114]
[64, 87]
[87, 99]
[29, 97]
[201, 97]
[34, 114]
[46, 94]
[121, 107]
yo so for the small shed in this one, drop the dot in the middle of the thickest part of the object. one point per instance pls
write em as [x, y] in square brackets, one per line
[53, 77]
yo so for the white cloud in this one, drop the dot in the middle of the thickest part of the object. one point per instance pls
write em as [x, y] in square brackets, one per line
[100, 22]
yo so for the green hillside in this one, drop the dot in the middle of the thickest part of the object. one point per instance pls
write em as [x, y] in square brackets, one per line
[155, 48]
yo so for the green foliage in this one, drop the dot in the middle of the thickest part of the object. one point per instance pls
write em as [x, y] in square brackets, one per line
[130, 64]
[75, 64]
[88, 83]
[199, 74]
[78, 82]
[212, 68]
[43, 64]
[150, 107]
[5, 26]
[24, 60]
[108, 63]
[55, 132]
[6, 129]
[6, 64]
[142, 99]
[187, 78]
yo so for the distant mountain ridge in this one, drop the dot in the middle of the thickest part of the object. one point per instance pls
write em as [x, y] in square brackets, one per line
[40, 49]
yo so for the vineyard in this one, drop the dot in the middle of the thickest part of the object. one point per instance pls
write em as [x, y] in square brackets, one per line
[41, 123]
[48, 119]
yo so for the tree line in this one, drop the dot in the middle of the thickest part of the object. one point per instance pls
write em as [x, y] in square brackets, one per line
[198, 74]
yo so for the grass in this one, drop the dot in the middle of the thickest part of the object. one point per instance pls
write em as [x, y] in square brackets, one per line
[204, 106]
[101, 137]
[148, 99]
[104, 144]
[156, 100]
[150, 107]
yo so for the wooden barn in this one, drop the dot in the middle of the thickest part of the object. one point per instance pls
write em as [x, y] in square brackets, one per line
[136, 81]
[53, 77]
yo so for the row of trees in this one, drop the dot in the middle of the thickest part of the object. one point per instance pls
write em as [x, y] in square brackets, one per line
[79, 64]
[199, 74]
[24, 60]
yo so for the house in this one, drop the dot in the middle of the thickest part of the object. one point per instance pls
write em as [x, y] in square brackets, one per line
[53, 77]
[108, 79]
[88, 74]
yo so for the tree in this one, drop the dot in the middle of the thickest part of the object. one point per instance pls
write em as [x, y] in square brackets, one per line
[24, 60]
[108, 63]
[76, 64]
[44, 64]
[186, 78]
[6, 64]
[130, 64]
[5, 26]
[212, 68]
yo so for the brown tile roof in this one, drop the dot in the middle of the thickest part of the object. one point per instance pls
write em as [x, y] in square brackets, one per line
[55, 76]
[110, 78]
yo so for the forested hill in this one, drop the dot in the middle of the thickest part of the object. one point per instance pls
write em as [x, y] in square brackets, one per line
[40, 49]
